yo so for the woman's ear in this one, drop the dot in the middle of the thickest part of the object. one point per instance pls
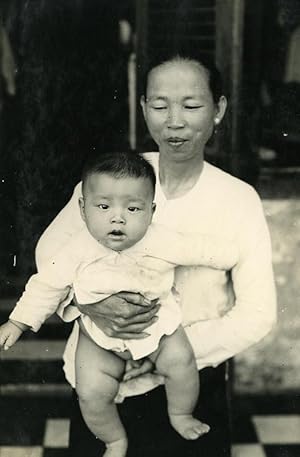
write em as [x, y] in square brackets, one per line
[143, 105]
[220, 109]
[81, 206]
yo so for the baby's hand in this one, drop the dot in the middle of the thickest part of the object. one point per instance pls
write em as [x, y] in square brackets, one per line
[10, 332]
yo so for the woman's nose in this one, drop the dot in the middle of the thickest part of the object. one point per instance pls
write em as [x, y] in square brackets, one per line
[175, 117]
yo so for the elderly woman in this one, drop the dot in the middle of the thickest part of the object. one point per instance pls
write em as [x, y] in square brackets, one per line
[224, 312]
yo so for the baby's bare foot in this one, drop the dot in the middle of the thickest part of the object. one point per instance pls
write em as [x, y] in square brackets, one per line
[188, 427]
[116, 449]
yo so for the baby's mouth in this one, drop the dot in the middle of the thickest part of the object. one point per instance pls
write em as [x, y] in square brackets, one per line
[116, 234]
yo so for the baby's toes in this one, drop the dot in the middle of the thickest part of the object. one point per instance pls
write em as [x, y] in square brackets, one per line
[192, 434]
[198, 429]
[202, 428]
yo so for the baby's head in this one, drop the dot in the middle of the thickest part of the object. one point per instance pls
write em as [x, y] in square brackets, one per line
[117, 198]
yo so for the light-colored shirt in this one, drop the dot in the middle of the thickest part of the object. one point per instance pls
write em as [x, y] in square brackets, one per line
[221, 205]
[94, 272]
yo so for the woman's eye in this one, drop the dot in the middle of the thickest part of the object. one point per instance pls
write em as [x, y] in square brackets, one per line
[191, 107]
[103, 206]
[159, 107]
[133, 209]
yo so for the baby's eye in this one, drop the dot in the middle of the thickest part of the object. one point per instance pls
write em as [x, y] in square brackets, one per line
[103, 206]
[133, 209]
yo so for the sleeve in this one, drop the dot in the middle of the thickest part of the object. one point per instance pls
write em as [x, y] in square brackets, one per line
[190, 249]
[254, 312]
[62, 228]
[45, 291]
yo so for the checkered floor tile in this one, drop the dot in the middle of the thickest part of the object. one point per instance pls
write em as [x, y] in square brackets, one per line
[256, 435]
[35, 405]
[18, 451]
[57, 433]
[248, 450]
[266, 427]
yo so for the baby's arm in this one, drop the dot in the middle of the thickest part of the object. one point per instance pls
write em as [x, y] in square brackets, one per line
[10, 332]
[40, 299]
[38, 302]
[192, 248]
[44, 291]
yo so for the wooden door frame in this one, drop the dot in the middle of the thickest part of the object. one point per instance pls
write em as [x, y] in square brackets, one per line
[229, 55]
[229, 58]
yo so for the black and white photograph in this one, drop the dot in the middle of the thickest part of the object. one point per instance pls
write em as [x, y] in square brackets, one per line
[149, 228]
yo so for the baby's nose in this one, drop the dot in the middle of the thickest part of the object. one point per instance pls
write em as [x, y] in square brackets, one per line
[118, 219]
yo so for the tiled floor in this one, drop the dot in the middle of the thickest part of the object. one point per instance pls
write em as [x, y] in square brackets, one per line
[41, 427]
[35, 405]
[274, 436]
[266, 426]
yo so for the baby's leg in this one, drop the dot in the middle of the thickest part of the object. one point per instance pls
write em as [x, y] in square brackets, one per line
[97, 381]
[175, 360]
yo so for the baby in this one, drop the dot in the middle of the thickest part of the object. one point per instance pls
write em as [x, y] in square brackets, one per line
[120, 250]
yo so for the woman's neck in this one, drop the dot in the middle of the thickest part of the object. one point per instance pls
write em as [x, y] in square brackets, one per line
[178, 178]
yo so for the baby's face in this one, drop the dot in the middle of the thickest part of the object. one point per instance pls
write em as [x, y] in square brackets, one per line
[117, 211]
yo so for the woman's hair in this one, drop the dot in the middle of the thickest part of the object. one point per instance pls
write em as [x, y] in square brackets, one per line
[182, 55]
[119, 165]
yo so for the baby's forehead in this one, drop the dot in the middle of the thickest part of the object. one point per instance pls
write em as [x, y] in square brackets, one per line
[105, 183]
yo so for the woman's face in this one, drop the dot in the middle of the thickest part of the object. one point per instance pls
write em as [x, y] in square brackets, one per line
[179, 110]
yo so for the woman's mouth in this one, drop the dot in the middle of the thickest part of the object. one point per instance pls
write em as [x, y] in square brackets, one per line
[176, 141]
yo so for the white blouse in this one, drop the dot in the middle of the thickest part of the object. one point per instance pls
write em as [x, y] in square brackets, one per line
[222, 206]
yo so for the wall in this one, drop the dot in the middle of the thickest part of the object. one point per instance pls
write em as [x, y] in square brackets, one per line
[71, 99]
[273, 366]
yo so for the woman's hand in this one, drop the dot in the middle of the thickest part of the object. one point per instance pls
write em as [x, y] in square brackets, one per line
[123, 315]
[135, 368]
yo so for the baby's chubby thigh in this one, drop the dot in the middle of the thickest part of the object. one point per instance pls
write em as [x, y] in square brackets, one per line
[175, 360]
[174, 352]
[98, 371]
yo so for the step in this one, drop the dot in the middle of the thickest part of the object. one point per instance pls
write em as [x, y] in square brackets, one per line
[44, 350]
[36, 390]
[53, 328]
[24, 422]
[36, 357]
[32, 372]
[33, 366]
[33, 362]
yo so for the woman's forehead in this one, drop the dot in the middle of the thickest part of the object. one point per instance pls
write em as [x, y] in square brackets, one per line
[178, 76]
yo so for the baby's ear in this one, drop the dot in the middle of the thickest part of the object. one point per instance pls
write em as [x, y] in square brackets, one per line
[81, 206]
[153, 210]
